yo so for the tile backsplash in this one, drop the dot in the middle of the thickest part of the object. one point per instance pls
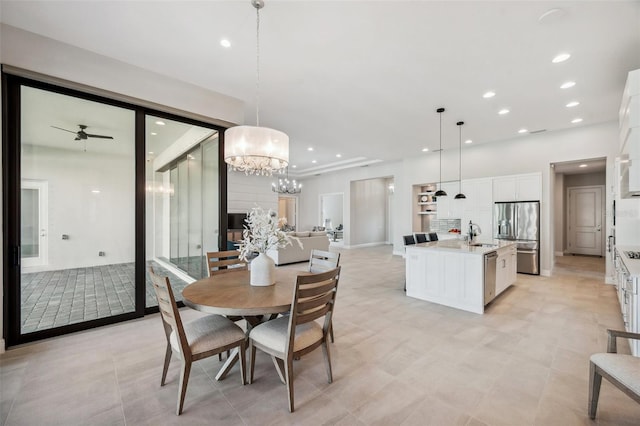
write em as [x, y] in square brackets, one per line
[443, 225]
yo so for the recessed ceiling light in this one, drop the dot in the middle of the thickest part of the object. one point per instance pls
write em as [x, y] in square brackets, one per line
[573, 104]
[567, 84]
[310, 149]
[314, 161]
[153, 133]
[503, 111]
[561, 58]
[95, 191]
[294, 166]
[160, 123]
[338, 155]
[582, 165]
[489, 94]
[425, 149]
[225, 43]
[468, 141]
[150, 152]
[576, 120]
[522, 131]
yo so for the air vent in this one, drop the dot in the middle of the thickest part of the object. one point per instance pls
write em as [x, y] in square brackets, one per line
[538, 131]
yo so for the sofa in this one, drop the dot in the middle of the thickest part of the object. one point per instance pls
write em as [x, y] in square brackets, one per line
[293, 253]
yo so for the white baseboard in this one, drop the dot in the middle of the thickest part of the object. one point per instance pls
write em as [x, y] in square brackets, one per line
[545, 273]
[609, 280]
[559, 253]
[368, 245]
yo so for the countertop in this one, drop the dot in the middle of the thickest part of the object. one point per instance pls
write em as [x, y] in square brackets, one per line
[461, 246]
[633, 265]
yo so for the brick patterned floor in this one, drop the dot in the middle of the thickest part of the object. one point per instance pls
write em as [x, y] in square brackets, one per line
[56, 298]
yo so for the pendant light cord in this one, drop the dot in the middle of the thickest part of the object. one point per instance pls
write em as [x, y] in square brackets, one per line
[460, 163]
[440, 150]
[257, 66]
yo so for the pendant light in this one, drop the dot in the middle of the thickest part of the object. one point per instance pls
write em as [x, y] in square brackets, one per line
[460, 195]
[440, 192]
[254, 149]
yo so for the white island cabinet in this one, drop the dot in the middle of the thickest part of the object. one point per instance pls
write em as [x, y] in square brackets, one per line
[451, 273]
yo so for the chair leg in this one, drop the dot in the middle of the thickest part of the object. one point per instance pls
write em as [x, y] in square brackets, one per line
[167, 360]
[331, 331]
[252, 360]
[184, 380]
[243, 362]
[289, 375]
[220, 356]
[595, 380]
[327, 360]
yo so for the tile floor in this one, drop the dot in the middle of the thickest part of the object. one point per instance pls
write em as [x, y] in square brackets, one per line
[396, 361]
[56, 298]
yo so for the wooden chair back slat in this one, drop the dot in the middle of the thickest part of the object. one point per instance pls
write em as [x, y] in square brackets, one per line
[314, 303]
[220, 262]
[315, 290]
[321, 261]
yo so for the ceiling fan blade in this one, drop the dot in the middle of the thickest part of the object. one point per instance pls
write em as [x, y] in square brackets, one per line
[99, 136]
[60, 128]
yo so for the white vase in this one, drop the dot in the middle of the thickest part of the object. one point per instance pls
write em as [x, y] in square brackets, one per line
[263, 271]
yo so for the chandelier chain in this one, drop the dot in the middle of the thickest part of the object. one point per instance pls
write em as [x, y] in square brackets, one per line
[257, 66]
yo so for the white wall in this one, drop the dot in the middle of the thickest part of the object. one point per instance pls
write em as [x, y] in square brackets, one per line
[332, 206]
[368, 211]
[94, 222]
[309, 199]
[245, 192]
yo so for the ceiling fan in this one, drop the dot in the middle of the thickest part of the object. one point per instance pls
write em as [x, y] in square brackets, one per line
[81, 135]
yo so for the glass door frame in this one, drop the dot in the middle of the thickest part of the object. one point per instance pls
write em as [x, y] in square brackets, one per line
[11, 187]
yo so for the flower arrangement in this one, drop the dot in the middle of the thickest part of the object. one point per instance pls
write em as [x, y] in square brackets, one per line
[261, 233]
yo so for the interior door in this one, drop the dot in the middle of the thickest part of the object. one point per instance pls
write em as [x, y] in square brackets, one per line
[34, 224]
[584, 219]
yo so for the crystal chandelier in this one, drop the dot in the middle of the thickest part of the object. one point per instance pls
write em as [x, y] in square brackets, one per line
[254, 149]
[286, 186]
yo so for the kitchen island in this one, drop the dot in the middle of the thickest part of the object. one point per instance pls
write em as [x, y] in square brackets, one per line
[452, 272]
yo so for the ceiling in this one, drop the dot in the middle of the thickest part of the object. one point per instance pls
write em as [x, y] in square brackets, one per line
[363, 79]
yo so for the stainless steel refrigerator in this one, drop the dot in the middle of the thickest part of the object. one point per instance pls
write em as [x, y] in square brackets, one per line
[520, 222]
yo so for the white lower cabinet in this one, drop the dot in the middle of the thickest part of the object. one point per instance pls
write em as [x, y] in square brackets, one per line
[506, 268]
[449, 278]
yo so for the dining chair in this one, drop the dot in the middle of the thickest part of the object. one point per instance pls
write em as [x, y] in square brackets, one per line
[409, 240]
[421, 238]
[195, 340]
[619, 369]
[321, 261]
[297, 334]
[433, 236]
[220, 262]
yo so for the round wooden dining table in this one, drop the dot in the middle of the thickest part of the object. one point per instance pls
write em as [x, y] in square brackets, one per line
[231, 294]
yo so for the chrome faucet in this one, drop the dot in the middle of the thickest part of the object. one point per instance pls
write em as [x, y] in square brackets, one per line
[474, 231]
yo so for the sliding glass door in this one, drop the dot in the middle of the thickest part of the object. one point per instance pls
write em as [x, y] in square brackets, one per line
[182, 178]
[77, 203]
[96, 192]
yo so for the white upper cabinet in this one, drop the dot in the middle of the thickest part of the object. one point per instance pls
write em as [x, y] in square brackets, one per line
[448, 207]
[478, 207]
[526, 187]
